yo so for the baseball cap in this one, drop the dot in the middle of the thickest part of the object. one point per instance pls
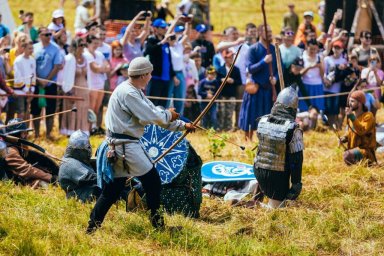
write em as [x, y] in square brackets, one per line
[298, 62]
[211, 70]
[159, 23]
[179, 28]
[201, 28]
[57, 13]
[338, 43]
[308, 13]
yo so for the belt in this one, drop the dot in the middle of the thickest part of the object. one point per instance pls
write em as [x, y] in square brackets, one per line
[120, 136]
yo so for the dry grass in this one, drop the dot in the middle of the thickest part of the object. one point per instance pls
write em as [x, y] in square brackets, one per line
[340, 211]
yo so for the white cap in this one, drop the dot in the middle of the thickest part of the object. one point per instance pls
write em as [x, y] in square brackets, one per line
[308, 13]
[57, 13]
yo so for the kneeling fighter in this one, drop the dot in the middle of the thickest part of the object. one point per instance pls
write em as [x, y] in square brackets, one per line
[279, 157]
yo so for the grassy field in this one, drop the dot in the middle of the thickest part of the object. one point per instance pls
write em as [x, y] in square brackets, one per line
[340, 211]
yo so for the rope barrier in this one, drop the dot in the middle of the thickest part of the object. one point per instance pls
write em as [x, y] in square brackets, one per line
[207, 100]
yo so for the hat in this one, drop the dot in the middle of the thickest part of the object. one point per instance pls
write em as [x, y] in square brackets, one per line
[15, 127]
[124, 66]
[298, 62]
[308, 13]
[338, 43]
[359, 96]
[159, 23]
[210, 70]
[57, 13]
[179, 28]
[140, 66]
[201, 28]
[227, 53]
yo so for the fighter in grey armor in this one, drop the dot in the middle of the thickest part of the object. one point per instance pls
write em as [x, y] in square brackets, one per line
[279, 156]
[76, 175]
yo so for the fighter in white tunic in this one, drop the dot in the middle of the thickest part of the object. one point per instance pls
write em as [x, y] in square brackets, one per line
[128, 112]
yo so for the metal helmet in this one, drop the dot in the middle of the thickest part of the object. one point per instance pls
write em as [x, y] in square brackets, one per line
[3, 149]
[79, 140]
[14, 126]
[288, 97]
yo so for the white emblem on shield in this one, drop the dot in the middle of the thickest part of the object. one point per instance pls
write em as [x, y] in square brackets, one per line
[239, 170]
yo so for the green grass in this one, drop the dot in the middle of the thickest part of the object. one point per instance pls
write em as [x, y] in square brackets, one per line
[340, 211]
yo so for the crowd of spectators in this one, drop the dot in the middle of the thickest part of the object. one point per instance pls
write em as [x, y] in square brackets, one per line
[187, 65]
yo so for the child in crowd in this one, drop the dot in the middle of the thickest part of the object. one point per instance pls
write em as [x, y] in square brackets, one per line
[207, 88]
[226, 109]
[122, 74]
[57, 26]
[117, 61]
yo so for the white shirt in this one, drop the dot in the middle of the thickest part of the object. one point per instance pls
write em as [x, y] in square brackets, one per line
[82, 18]
[106, 50]
[24, 68]
[177, 56]
[313, 76]
[95, 80]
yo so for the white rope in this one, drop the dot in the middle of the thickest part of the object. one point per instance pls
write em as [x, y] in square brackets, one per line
[207, 100]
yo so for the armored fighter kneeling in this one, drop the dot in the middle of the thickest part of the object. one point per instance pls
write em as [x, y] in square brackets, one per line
[279, 156]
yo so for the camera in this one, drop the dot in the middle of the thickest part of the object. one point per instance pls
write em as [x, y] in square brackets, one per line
[172, 37]
[186, 19]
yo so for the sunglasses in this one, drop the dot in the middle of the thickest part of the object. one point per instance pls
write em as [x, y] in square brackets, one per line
[83, 45]
[289, 33]
[47, 34]
[368, 37]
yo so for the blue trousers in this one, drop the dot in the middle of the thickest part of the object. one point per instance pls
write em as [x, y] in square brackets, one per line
[177, 92]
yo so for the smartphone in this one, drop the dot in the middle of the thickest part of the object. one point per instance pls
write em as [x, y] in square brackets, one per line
[146, 14]
[172, 37]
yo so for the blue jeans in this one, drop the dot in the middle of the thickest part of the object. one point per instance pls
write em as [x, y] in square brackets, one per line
[177, 92]
[210, 119]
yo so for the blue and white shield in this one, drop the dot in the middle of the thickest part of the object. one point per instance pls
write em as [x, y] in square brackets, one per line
[155, 141]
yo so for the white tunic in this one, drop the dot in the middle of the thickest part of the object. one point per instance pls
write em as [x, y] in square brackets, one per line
[128, 112]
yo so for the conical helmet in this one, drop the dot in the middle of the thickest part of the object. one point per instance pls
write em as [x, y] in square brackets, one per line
[288, 97]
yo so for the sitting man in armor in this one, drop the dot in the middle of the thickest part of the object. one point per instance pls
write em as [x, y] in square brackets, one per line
[76, 175]
[279, 157]
[17, 166]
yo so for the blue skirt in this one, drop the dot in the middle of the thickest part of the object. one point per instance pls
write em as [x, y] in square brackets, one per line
[253, 107]
[312, 90]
